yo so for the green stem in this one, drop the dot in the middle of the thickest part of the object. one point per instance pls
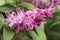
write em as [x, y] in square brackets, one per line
[34, 35]
[40, 32]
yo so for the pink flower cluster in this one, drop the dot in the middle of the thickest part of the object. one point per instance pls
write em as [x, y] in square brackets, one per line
[46, 3]
[27, 20]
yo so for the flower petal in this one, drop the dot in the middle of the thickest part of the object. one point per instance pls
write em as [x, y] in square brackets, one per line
[35, 2]
[29, 27]
[7, 14]
[6, 21]
[14, 14]
[16, 21]
[21, 26]
[11, 24]
[18, 10]
[16, 29]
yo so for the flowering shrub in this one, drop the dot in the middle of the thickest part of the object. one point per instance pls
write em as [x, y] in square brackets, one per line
[27, 18]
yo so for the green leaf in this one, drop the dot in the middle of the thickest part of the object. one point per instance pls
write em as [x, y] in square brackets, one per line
[20, 34]
[57, 34]
[1, 20]
[10, 1]
[27, 5]
[58, 7]
[26, 37]
[4, 9]
[2, 2]
[55, 23]
[7, 34]
[40, 32]
[34, 35]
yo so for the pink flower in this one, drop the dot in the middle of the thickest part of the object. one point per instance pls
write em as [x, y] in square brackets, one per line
[32, 13]
[39, 20]
[10, 18]
[28, 19]
[18, 27]
[20, 15]
[42, 3]
[28, 23]
[49, 12]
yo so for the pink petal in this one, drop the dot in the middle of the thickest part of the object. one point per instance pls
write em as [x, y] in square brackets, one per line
[21, 26]
[16, 29]
[51, 10]
[6, 21]
[28, 13]
[7, 14]
[35, 2]
[18, 10]
[11, 24]
[13, 14]
[17, 20]
[22, 10]
[29, 27]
